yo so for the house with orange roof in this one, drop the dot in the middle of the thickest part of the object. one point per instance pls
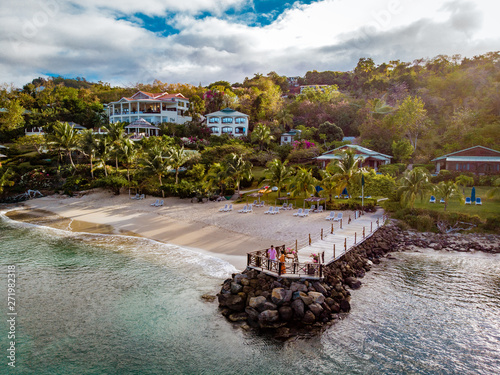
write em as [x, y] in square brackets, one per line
[154, 108]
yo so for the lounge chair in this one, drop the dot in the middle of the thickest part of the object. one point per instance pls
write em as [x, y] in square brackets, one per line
[305, 213]
[230, 208]
[313, 208]
[156, 203]
[142, 196]
[331, 216]
[320, 209]
[160, 204]
[478, 202]
[339, 217]
[276, 210]
[270, 210]
[285, 206]
[298, 213]
[137, 196]
[223, 209]
[441, 200]
[290, 206]
[243, 209]
[249, 209]
[468, 201]
[433, 199]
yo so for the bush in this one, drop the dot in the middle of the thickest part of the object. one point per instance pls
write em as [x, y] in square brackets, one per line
[430, 167]
[351, 205]
[75, 183]
[113, 183]
[492, 224]
[393, 170]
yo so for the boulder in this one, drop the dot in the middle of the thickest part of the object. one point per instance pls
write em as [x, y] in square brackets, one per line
[352, 282]
[286, 313]
[317, 297]
[306, 298]
[329, 301]
[236, 288]
[283, 333]
[267, 306]
[320, 288]
[298, 287]
[269, 316]
[345, 306]
[239, 277]
[252, 313]
[255, 302]
[245, 282]
[309, 317]
[278, 296]
[316, 309]
[298, 308]
[238, 317]
[235, 302]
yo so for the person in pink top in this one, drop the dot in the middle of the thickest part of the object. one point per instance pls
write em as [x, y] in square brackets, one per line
[271, 253]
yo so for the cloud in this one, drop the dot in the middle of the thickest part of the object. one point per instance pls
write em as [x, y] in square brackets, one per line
[216, 40]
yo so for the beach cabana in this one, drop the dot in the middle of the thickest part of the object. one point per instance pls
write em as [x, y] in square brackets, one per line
[141, 128]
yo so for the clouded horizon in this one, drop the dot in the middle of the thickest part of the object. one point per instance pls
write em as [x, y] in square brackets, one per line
[202, 41]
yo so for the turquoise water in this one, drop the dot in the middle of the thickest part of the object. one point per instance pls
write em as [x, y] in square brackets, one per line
[103, 304]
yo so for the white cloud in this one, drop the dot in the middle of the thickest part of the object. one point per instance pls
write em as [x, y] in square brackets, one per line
[88, 40]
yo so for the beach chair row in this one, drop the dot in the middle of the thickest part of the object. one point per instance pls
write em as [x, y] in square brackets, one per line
[158, 203]
[138, 196]
[477, 201]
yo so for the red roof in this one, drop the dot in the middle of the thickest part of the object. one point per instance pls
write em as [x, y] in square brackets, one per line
[161, 96]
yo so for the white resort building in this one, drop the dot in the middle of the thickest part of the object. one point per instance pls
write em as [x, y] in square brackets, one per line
[228, 121]
[154, 108]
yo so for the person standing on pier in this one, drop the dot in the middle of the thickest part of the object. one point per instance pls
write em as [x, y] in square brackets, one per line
[271, 253]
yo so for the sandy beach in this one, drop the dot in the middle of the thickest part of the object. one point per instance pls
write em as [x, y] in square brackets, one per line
[199, 226]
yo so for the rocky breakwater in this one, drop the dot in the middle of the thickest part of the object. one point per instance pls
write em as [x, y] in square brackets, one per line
[289, 307]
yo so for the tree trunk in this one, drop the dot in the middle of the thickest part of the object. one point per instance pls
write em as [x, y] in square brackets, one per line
[91, 167]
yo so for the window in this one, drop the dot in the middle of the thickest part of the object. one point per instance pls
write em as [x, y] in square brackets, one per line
[214, 129]
[181, 104]
[227, 120]
[227, 130]
[285, 139]
[213, 120]
[239, 130]
[240, 120]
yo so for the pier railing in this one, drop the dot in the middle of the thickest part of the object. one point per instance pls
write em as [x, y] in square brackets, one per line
[259, 260]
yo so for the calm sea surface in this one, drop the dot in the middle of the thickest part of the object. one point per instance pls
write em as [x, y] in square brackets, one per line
[106, 304]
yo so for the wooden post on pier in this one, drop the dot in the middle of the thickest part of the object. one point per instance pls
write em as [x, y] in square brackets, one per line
[333, 251]
[354, 238]
[371, 226]
[363, 232]
[341, 221]
[332, 228]
[321, 234]
[309, 238]
[296, 246]
[377, 223]
[345, 245]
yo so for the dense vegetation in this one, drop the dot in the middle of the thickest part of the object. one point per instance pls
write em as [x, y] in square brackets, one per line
[413, 111]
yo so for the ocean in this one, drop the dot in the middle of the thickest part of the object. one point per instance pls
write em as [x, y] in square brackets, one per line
[113, 304]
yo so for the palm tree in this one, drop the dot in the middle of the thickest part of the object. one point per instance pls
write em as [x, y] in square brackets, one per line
[216, 176]
[448, 190]
[285, 118]
[5, 179]
[303, 183]
[496, 189]
[156, 164]
[262, 135]
[88, 145]
[177, 158]
[278, 174]
[464, 181]
[344, 170]
[329, 184]
[103, 152]
[129, 154]
[115, 134]
[414, 183]
[64, 138]
[237, 169]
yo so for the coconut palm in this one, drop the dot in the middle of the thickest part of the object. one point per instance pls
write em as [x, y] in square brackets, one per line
[303, 183]
[285, 118]
[5, 179]
[496, 189]
[216, 177]
[344, 170]
[278, 174]
[448, 190]
[88, 145]
[237, 169]
[177, 158]
[156, 164]
[414, 183]
[262, 135]
[115, 134]
[329, 184]
[464, 181]
[103, 153]
[128, 154]
[64, 138]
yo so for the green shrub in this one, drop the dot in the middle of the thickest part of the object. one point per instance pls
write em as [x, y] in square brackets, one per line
[492, 224]
[393, 170]
[113, 183]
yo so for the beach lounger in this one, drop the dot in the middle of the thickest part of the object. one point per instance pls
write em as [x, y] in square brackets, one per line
[249, 209]
[230, 208]
[441, 201]
[305, 213]
[468, 201]
[320, 209]
[284, 207]
[160, 204]
[142, 196]
[313, 208]
[331, 216]
[478, 201]
[156, 203]
[298, 213]
[223, 209]
[339, 217]
[276, 210]
[270, 210]
[243, 209]
[137, 196]
[433, 199]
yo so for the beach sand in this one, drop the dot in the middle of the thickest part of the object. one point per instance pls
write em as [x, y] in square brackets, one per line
[198, 226]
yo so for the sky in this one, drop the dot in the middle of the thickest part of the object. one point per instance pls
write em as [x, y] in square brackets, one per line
[125, 42]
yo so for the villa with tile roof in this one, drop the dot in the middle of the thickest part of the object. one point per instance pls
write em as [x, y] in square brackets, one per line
[154, 108]
[369, 158]
[478, 159]
[228, 121]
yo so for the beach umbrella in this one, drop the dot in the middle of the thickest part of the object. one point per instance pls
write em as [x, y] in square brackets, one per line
[344, 192]
[473, 194]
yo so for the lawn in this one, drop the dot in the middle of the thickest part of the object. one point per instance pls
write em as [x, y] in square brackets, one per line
[489, 208]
